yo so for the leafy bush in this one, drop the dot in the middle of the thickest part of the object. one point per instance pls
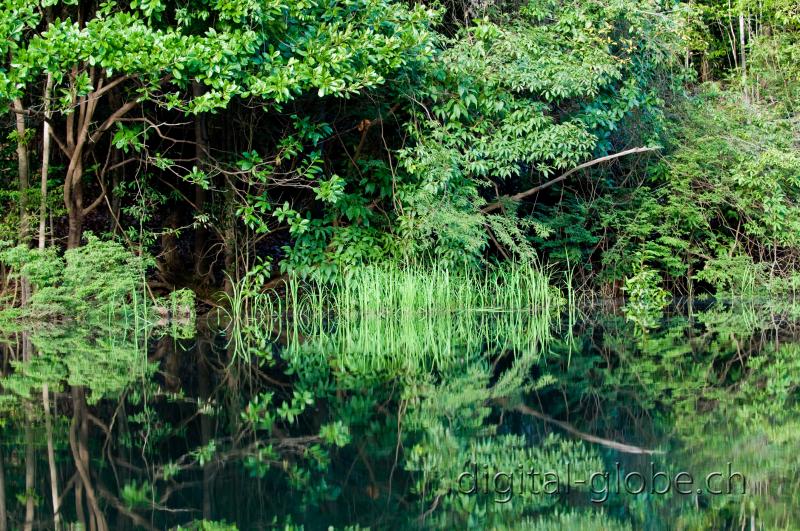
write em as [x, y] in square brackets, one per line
[721, 203]
[644, 297]
[526, 98]
[99, 278]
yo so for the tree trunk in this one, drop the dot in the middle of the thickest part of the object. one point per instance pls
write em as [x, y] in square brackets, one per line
[23, 166]
[704, 69]
[75, 226]
[45, 162]
[123, 524]
[231, 268]
[229, 241]
[204, 390]
[117, 174]
[80, 513]
[743, 55]
[170, 264]
[74, 204]
[30, 455]
[3, 513]
[30, 470]
[79, 444]
[79, 144]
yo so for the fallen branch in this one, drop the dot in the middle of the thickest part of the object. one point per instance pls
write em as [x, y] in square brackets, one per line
[522, 195]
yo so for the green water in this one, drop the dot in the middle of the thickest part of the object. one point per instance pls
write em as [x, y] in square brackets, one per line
[381, 422]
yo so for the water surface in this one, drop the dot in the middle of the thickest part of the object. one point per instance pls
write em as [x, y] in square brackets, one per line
[476, 419]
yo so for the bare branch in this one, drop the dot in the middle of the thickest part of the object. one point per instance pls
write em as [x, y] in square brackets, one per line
[522, 195]
[95, 204]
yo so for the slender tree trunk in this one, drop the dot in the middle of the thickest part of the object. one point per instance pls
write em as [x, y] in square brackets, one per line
[204, 390]
[3, 513]
[123, 524]
[170, 263]
[117, 174]
[75, 209]
[743, 55]
[116, 204]
[200, 236]
[732, 36]
[79, 510]
[75, 229]
[30, 471]
[688, 57]
[79, 443]
[229, 217]
[30, 455]
[45, 162]
[230, 238]
[52, 230]
[3, 510]
[79, 144]
[23, 166]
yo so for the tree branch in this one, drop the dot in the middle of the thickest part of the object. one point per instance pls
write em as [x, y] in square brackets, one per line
[119, 113]
[522, 195]
[53, 135]
[86, 211]
[103, 89]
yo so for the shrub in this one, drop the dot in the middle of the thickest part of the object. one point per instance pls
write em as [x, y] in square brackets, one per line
[99, 278]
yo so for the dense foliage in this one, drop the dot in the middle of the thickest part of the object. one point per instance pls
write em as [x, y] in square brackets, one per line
[308, 137]
[385, 211]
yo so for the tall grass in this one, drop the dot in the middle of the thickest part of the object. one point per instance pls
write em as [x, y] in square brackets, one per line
[388, 317]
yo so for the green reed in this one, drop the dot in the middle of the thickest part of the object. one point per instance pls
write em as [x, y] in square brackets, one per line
[388, 317]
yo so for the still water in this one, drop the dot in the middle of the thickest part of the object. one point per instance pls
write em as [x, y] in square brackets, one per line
[487, 420]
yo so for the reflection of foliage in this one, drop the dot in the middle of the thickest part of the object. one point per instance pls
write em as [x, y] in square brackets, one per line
[137, 495]
[441, 463]
[177, 311]
[573, 520]
[312, 433]
[448, 417]
[713, 389]
[754, 424]
[444, 413]
[88, 357]
[390, 320]
[208, 525]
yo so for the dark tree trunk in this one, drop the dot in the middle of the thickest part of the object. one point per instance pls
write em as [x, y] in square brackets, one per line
[201, 153]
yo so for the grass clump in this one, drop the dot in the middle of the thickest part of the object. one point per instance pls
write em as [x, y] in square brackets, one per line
[388, 317]
[418, 291]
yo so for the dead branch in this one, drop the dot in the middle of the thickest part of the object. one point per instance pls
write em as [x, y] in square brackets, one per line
[522, 195]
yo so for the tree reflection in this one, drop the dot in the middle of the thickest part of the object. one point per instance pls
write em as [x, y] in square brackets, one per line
[117, 429]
